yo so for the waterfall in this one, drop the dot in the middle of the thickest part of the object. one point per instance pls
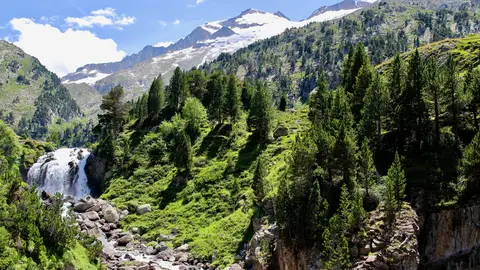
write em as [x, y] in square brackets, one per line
[62, 171]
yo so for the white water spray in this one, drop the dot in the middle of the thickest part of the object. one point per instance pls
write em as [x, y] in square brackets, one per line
[62, 171]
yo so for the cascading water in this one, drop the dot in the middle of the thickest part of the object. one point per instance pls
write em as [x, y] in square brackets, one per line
[62, 171]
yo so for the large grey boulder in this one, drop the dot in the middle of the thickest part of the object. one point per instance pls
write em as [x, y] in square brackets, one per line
[110, 214]
[83, 206]
[124, 240]
[93, 216]
[143, 209]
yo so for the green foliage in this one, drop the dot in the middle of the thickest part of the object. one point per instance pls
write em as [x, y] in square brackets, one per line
[260, 116]
[336, 252]
[258, 184]
[283, 103]
[471, 165]
[396, 177]
[156, 98]
[366, 167]
[233, 102]
[195, 116]
[178, 90]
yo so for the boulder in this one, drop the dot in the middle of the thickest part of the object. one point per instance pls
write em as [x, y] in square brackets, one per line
[183, 248]
[281, 131]
[81, 206]
[143, 209]
[234, 267]
[364, 250]
[110, 215]
[105, 228]
[93, 216]
[160, 247]
[89, 224]
[124, 240]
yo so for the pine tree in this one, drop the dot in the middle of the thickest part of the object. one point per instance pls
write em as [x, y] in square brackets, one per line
[319, 103]
[396, 88]
[115, 112]
[347, 64]
[336, 252]
[259, 181]
[375, 102]
[233, 102]
[283, 103]
[156, 97]
[433, 87]
[247, 95]
[178, 90]
[391, 202]
[198, 83]
[474, 88]
[453, 94]
[396, 174]
[260, 117]
[359, 59]
[362, 83]
[183, 154]
[471, 165]
[367, 172]
[216, 90]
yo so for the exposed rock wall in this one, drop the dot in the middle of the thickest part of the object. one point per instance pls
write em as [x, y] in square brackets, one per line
[451, 235]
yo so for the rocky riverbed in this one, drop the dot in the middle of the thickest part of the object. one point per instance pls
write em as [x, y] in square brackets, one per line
[123, 249]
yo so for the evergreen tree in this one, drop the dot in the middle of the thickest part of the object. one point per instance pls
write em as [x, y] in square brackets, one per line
[283, 103]
[233, 102]
[183, 153]
[474, 88]
[433, 87]
[359, 59]
[260, 117]
[156, 97]
[247, 95]
[216, 90]
[178, 90]
[453, 94]
[336, 252]
[114, 112]
[367, 172]
[396, 175]
[396, 88]
[319, 103]
[347, 64]
[391, 202]
[198, 83]
[363, 82]
[375, 102]
[259, 181]
[471, 165]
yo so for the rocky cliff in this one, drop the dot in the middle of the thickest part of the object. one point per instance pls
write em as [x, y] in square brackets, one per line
[451, 238]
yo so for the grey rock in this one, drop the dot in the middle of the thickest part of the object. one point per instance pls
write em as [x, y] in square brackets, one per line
[124, 240]
[110, 214]
[81, 207]
[183, 248]
[143, 209]
[93, 216]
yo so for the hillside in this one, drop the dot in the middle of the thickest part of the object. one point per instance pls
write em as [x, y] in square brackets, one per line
[32, 93]
[294, 59]
[337, 184]
[87, 97]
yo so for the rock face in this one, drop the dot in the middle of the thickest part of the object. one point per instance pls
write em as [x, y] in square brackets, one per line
[95, 171]
[452, 233]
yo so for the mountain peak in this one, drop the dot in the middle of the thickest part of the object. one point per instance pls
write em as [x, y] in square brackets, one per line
[251, 11]
[281, 15]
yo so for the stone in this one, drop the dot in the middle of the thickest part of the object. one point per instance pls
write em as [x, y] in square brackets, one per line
[181, 257]
[81, 207]
[165, 255]
[161, 247]
[183, 248]
[164, 237]
[380, 265]
[370, 259]
[46, 195]
[281, 131]
[364, 250]
[113, 243]
[143, 209]
[235, 266]
[105, 228]
[89, 224]
[95, 208]
[377, 245]
[113, 226]
[143, 267]
[93, 216]
[124, 240]
[135, 230]
[101, 221]
[110, 214]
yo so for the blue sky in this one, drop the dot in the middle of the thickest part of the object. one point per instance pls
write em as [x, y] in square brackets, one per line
[114, 28]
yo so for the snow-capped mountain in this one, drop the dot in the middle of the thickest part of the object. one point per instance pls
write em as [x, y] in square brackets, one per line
[205, 43]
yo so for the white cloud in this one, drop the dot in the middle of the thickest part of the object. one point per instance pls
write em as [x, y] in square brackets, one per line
[163, 23]
[177, 22]
[199, 1]
[101, 17]
[63, 52]
[163, 44]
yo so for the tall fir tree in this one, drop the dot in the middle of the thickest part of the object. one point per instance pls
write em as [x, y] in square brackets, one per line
[452, 88]
[156, 97]
[362, 83]
[374, 109]
[433, 88]
[396, 174]
[260, 117]
[396, 86]
[474, 89]
[178, 90]
[366, 168]
[233, 102]
[217, 92]
[258, 184]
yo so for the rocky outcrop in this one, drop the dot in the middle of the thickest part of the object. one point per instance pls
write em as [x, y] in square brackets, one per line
[95, 169]
[452, 236]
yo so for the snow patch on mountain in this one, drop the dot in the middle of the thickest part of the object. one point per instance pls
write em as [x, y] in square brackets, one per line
[163, 44]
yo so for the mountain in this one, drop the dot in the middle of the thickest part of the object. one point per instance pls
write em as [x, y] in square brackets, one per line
[87, 97]
[29, 92]
[344, 5]
[294, 60]
[205, 43]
